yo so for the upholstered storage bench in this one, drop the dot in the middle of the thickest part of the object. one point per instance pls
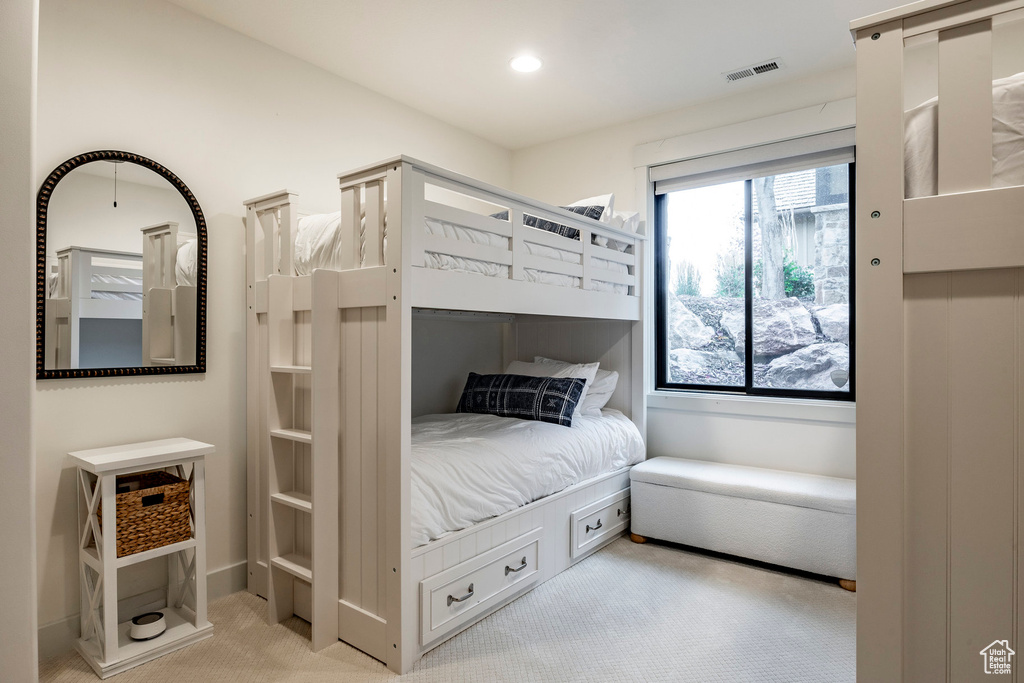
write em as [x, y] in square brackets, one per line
[802, 521]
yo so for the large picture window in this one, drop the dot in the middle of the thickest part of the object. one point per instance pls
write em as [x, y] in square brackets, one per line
[754, 283]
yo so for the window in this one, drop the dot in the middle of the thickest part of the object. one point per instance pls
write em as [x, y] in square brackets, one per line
[754, 276]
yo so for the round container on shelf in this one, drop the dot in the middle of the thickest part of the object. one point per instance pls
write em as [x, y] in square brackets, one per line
[147, 626]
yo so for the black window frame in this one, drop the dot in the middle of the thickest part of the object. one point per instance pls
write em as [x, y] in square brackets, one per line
[661, 287]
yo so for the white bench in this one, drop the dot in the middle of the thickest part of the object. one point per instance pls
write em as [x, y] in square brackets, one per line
[803, 521]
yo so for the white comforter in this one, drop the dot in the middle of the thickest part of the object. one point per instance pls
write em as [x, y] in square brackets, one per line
[922, 140]
[467, 468]
[318, 245]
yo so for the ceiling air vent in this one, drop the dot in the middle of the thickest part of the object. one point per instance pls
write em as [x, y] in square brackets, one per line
[754, 70]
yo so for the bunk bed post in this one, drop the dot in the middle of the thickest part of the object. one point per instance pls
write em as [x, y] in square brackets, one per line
[326, 433]
[257, 576]
[396, 401]
[81, 270]
[261, 232]
[879, 315]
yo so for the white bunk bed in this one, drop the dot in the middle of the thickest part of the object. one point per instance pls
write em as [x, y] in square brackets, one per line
[330, 428]
[940, 252]
[88, 283]
[156, 287]
[169, 295]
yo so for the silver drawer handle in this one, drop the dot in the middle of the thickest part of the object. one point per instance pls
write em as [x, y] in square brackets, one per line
[619, 512]
[509, 570]
[590, 528]
[467, 596]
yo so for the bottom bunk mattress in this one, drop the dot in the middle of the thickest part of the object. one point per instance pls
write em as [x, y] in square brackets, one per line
[467, 468]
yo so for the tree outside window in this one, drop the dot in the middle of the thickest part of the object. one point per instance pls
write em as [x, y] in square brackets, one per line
[769, 256]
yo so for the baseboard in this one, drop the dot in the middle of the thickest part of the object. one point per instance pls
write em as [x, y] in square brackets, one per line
[59, 637]
[230, 579]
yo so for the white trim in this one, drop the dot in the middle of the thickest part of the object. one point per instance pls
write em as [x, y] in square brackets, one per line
[771, 407]
[808, 151]
[821, 118]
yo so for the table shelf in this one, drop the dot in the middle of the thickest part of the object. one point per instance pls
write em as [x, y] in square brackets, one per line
[106, 646]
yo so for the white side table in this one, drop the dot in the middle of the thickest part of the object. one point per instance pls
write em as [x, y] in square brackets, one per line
[105, 644]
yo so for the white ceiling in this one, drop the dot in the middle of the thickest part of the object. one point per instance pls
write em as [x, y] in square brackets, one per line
[605, 61]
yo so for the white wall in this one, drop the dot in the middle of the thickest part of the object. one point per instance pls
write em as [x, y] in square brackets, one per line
[601, 161]
[82, 213]
[790, 435]
[444, 352]
[233, 119]
[17, 340]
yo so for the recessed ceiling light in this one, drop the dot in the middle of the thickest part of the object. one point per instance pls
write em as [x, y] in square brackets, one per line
[525, 63]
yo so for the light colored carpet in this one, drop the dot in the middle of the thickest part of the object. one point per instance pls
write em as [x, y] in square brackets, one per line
[628, 613]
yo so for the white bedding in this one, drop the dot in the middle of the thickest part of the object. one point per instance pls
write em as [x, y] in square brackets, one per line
[467, 468]
[186, 262]
[100, 279]
[922, 139]
[318, 245]
[490, 269]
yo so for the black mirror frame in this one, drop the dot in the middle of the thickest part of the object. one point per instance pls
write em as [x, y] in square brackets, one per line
[42, 202]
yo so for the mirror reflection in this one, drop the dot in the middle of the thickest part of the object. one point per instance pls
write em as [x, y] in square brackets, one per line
[121, 270]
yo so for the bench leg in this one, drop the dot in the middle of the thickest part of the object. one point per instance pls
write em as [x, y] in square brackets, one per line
[848, 585]
[637, 538]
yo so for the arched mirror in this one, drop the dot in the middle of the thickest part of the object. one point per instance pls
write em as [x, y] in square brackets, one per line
[120, 270]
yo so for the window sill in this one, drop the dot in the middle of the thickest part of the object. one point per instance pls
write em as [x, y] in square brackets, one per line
[802, 409]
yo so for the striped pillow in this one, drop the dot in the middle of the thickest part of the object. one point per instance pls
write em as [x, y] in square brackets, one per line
[593, 212]
[547, 399]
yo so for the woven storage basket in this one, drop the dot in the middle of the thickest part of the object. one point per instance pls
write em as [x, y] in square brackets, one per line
[154, 513]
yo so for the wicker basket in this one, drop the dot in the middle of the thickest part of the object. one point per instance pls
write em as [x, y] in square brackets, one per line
[152, 511]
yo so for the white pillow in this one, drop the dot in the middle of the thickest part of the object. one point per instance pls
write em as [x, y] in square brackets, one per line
[586, 371]
[186, 262]
[605, 200]
[599, 392]
[626, 220]
[623, 220]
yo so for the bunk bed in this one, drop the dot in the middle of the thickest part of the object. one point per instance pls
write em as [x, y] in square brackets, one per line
[337, 530]
[156, 287]
[88, 284]
[168, 295]
[940, 251]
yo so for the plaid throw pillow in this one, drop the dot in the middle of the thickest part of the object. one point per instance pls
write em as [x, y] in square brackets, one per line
[548, 399]
[551, 226]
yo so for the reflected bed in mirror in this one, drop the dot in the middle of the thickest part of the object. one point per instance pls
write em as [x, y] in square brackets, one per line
[120, 270]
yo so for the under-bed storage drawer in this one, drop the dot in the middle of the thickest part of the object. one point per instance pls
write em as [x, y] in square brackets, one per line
[460, 594]
[597, 522]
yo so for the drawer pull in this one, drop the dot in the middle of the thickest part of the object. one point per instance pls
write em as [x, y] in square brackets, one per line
[509, 570]
[467, 596]
[619, 512]
[594, 528]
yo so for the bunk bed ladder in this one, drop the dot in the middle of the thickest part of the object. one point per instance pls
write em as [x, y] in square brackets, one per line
[303, 451]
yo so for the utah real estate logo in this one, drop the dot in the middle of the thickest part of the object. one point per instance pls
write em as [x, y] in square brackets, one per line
[998, 657]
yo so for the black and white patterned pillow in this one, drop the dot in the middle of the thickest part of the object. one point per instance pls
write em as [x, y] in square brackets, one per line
[594, 212]
[547, 399]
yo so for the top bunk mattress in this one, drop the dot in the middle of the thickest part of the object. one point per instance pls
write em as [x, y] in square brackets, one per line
[467, 468]
[921, 140]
